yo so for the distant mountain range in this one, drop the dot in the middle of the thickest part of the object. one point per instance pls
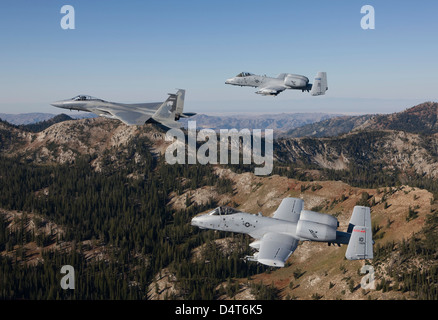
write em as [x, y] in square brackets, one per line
[281, 122]
[418, 119]
[403, 142]
[421, 119]
[26, 118]
[329, 127]
[401, 145]
[35, 117]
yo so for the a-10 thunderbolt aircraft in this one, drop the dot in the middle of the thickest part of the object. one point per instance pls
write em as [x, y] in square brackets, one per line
[165, 113]
[273, 86]
[278, 237]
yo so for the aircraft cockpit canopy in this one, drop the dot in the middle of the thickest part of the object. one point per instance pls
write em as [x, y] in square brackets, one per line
[222, 211]
[244, 74]
[84, 98]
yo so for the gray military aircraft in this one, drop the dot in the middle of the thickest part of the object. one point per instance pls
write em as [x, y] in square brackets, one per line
[166, 113]
[273, 86]
[278, 237]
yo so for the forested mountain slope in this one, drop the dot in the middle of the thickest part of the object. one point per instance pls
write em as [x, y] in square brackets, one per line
[98, 195]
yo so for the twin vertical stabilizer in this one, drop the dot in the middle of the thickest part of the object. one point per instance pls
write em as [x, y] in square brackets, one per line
[172, 110]
[319, 86]
[360, 245]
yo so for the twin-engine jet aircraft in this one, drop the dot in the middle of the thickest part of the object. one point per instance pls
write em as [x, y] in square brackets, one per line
[278, 237]
[166, 113]
[273, 86]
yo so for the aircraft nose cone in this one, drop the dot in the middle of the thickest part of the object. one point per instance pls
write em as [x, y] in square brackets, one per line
[198, 221]
[195, 221]
[57, 104]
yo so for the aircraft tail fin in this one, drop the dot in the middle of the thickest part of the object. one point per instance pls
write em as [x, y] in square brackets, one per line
[180, 95]
[171, 110]
[320, 85]
[360, 245]
[180, 106]
[166, 113]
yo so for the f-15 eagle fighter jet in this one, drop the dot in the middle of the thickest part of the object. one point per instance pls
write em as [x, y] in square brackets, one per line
[278, 237]
[165, 113]
[273, 86]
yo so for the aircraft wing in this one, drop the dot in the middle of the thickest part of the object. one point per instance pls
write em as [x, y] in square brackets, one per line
[275, 249]
[129, 117]
[289, 209]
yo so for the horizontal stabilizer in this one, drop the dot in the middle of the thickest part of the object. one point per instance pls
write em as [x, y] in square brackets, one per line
[187, 114]
[361, 217]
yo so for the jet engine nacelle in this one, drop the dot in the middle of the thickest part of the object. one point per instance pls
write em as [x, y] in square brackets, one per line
[268, 92]
[317, 226]
[295, 81]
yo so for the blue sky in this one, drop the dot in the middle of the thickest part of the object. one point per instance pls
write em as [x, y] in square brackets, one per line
[138, 51]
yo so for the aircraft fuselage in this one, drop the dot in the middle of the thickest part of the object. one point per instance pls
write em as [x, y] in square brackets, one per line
[269, 86]
[109, 109]
[254, 225]
[299, 82]
[91, 105]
